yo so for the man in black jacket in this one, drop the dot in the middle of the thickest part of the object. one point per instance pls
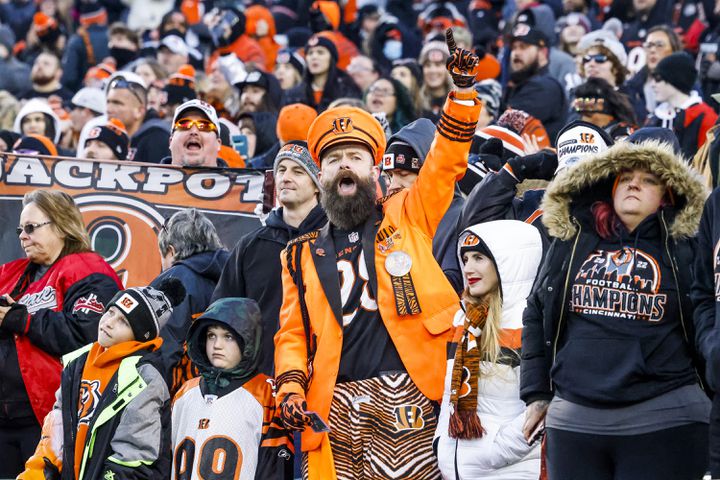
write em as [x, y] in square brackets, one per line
[126, 95]
[253, 269]
[531, 88]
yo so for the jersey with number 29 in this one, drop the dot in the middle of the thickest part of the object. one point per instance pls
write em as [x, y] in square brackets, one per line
[215, 437]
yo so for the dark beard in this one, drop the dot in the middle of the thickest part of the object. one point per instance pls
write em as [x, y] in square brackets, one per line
[41, 80]
[522, 75]
[347, 212]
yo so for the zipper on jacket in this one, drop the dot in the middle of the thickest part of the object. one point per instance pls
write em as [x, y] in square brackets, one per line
[673, 267]
[564, 296]
[677, 284]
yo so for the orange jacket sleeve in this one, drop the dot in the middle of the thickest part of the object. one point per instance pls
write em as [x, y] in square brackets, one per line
[430, 196]
[290, 346]
[49, 447]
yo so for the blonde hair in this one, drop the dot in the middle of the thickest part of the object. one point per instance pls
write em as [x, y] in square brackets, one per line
[490, 340]
[65, 217]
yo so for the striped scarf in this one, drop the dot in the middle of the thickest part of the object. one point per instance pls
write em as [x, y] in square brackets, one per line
[464, 421]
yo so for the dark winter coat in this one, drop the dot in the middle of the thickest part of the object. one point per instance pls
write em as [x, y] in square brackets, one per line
[495, 198]
[253, 271]
[542, 97]
[569, 221]
[75, 63]
[199, 275]
[151, 143]
[125, 447]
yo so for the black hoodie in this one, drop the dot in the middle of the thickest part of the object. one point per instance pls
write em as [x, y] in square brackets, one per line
[254, 271]
[199, 275]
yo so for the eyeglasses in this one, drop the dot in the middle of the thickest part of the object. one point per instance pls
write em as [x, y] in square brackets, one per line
[381, 92]
[597, 58]
[649, 45]
[202, 125]
[135, 88]
[29, 228]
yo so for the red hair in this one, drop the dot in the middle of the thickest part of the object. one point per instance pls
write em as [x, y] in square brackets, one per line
[606, 220]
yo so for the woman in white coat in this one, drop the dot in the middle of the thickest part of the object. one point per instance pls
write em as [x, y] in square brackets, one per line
[479, 434]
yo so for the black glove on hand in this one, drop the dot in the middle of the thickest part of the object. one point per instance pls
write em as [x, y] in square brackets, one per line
[292, 412]
[537, 166]
[462, 64]
[492, 146]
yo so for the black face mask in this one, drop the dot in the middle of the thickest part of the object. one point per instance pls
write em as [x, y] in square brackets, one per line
[123, 56]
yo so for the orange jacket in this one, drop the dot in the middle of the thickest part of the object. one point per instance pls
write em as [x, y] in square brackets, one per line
[410, 218]
[245, 48]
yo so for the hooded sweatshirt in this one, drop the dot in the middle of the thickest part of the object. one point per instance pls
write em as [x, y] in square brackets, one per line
[502, 452]
[38, 105]
[231, 409]
[617, 302]
[199, 274]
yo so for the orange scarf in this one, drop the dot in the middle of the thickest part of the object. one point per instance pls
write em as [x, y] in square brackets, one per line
[464, 421]
[100, 366]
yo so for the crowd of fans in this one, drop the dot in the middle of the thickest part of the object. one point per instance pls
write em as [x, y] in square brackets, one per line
[487, 249]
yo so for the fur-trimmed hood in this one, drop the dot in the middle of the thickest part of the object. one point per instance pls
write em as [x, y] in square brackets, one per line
[592, 180]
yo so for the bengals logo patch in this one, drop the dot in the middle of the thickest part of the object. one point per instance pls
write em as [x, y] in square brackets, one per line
[470, 240]
[88, 401]
[342, 125]
[408, 417]
[465, 387]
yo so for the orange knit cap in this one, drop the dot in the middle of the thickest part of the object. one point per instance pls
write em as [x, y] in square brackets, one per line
[294, 121]
[343, 125]
[43, 23]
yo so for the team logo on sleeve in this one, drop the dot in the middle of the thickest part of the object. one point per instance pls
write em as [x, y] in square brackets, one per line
[408, 417]
[88, 401]
[622, 284]
[88, 304]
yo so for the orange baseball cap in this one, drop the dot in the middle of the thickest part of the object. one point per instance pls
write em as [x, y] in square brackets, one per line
[344, 125]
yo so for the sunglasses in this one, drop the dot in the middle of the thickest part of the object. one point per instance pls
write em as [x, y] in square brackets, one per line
[597, 58]
[202, 125]
[135, 88]
[30, 228]
[649, 45]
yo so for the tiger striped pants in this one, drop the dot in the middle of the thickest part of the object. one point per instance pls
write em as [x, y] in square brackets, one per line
[382, 428]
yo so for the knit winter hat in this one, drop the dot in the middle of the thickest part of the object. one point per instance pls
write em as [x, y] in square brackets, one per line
[490, 92]
[292, 58]
[321, 41]
[346, 125]
[578, 141]
[678, 70]
[101, 71]
[7, 38]
[412, 65]
[114, 135]
[294, 121]
[469, 242]
[92, 13]
[148, 309]
[180, 87]
[301, 156]
[35, 144]
[435, 51]
[46, 27]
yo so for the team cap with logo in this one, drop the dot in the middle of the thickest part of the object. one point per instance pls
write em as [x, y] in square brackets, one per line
[346, 125]
[203, 107]
[578, 141]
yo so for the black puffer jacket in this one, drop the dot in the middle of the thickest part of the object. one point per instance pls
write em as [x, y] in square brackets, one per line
[254, 271]
[569, 222]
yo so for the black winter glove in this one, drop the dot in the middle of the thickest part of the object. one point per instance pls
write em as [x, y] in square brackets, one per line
[292, 412]
[15, 319]
[462, 64]
[537, 166]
